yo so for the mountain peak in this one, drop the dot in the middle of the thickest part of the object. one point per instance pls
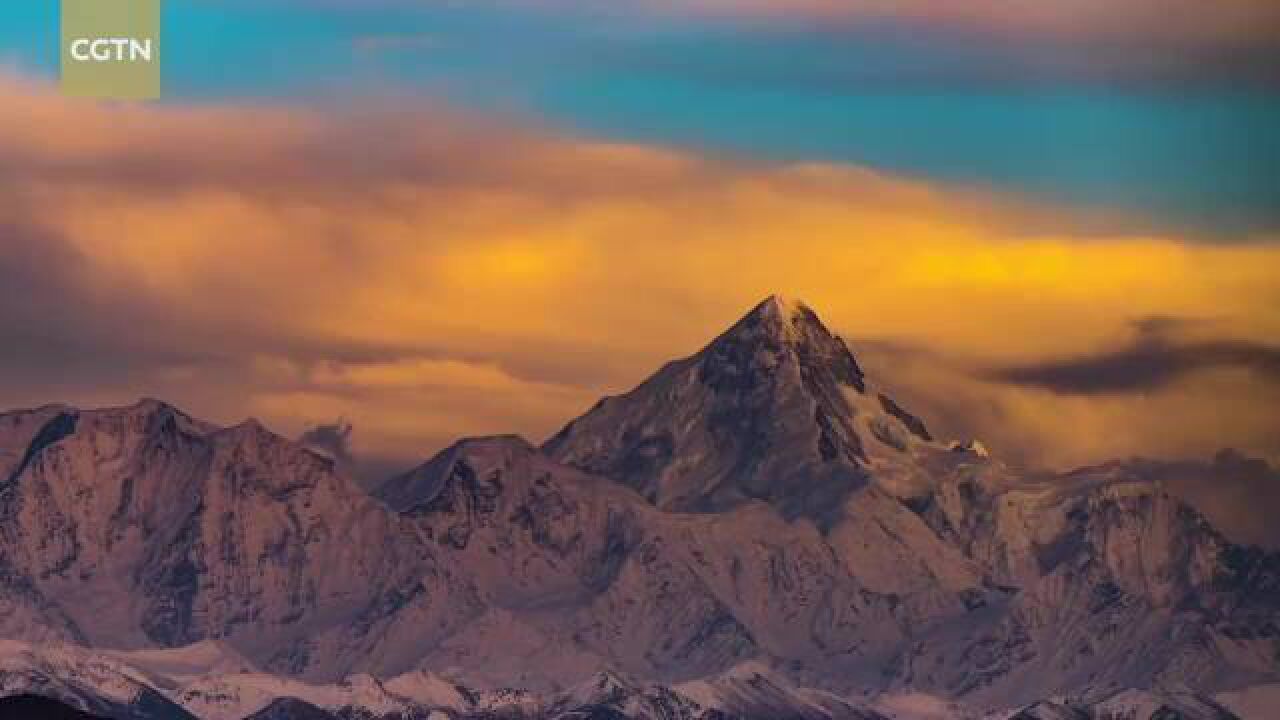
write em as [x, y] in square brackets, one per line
[467, 459]
[150, 404]
[766, 410]
[784, 306]
[782, 320]
[779, 313]
[149, 414]
[779, 338]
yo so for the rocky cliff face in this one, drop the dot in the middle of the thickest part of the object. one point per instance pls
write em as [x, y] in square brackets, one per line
[141, 526]
[761, 504]
[1112, 583]
[579, 573]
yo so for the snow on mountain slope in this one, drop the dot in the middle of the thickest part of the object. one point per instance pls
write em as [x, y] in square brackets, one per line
[1259, 702]
[92, 682]
[175, 667]
[1128, 704]
[609, 695]
[1144, 705]
[752, 690]
[97, 682]
[191, 682]
[921, 706]
[1118, 585]
[230, 697]
[431, 690]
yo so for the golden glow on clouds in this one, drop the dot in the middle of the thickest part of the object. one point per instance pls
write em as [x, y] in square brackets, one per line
[492, 279]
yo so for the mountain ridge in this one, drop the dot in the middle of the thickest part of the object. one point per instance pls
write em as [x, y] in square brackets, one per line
[107, 685]
[761, 501]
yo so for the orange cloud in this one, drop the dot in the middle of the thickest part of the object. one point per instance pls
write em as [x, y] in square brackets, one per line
[427, 276]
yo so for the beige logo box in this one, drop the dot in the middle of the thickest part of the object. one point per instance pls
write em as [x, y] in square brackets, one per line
[111, 48]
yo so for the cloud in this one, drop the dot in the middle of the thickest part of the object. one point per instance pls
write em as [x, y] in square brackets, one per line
[1193, 417]
[332, 440]
[1152, 361]
[1147, 23]
[1151, 24]
[427, 275]
[1237, 493]
[1034, 427]
[998, 43]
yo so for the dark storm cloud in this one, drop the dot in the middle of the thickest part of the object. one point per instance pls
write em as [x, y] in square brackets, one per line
[1154, 360]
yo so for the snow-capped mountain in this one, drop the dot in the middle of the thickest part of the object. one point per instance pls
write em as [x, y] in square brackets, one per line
[775, 409]
[141, 527]
[1118, 584]
[1002, 588]
[757, 527]
[579, 573]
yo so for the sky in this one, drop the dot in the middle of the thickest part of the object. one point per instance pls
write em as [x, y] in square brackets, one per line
[1053, 226]
[1162, 110]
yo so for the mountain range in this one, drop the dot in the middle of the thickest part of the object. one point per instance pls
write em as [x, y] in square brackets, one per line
[759, 530]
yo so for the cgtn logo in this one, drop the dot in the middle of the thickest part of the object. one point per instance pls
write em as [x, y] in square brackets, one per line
[110, 49]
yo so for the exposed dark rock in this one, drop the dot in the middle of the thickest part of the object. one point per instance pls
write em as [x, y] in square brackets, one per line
[288, 708]
[36, 707]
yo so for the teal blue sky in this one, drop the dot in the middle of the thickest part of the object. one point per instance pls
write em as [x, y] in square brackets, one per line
[1185, 141]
